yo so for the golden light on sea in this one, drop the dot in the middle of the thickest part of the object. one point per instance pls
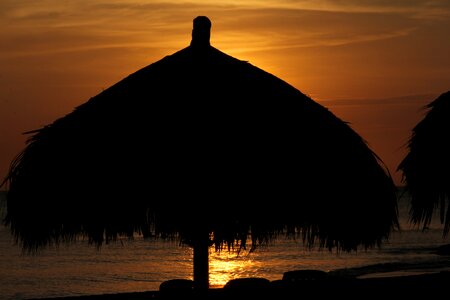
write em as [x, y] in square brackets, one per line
[225, 266]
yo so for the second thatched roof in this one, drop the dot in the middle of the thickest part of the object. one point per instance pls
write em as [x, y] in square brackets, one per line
[426, 167]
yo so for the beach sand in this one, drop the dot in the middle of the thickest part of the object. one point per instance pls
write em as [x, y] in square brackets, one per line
[422, 286]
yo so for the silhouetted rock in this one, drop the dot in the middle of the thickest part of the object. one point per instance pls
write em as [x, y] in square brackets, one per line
[304, 275]
[247, 284]
[177, 285]
[443, 250]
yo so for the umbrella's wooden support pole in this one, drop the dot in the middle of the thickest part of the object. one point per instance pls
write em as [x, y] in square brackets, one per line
[201, 263]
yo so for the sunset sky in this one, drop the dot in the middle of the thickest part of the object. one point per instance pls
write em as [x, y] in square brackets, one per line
[374, 63]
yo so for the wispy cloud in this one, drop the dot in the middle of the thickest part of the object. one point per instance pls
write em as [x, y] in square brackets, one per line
[271, 29]
[414, 8]
[50, 26]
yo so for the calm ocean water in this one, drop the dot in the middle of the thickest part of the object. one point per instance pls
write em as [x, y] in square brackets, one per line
[141, 265]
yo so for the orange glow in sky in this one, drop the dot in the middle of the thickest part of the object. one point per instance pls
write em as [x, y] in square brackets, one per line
[372, 63]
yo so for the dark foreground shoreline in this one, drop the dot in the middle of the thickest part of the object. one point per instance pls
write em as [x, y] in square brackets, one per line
[424, 286]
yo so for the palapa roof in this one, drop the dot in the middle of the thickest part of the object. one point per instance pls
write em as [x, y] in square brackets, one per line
[200, 142]
[426, 166]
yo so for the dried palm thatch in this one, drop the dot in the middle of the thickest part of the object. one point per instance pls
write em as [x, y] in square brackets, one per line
[426, 166]
[202, 147]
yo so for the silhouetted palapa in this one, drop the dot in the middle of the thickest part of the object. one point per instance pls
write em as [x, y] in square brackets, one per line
[204, 148]
[426, 167]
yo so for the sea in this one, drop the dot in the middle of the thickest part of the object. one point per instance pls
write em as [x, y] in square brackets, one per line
[142, 264]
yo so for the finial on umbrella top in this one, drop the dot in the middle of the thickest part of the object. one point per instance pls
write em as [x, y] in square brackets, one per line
[201, 31]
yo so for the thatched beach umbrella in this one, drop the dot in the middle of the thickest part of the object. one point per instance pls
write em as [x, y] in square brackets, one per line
[426, 167]
[205, 148]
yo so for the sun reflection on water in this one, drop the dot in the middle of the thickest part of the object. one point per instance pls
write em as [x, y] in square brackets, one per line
[225, 266]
